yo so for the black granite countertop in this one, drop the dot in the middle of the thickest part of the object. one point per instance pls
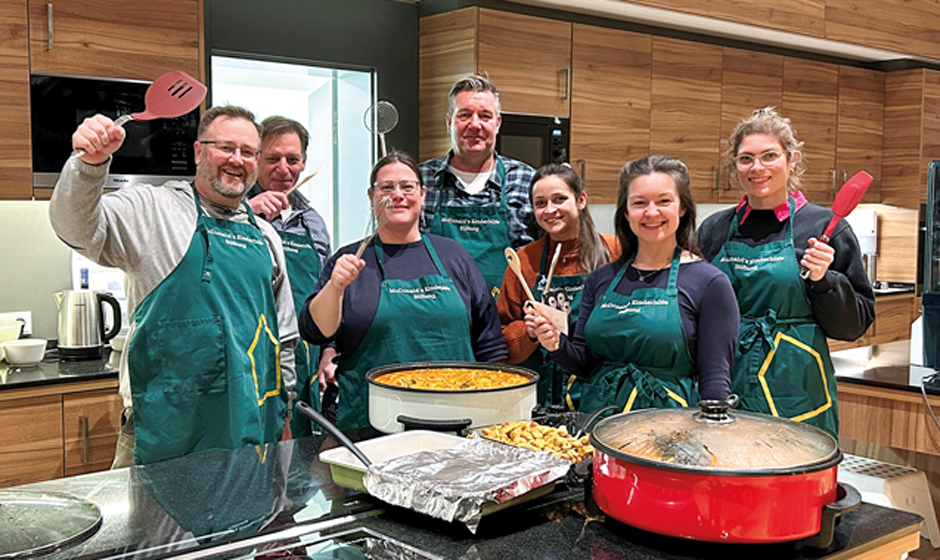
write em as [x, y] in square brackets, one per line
[52, 370]
[883, 365]
[266, 501]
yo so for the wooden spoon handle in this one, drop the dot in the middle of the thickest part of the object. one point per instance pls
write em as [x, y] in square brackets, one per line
[513, 259]
[302, 181]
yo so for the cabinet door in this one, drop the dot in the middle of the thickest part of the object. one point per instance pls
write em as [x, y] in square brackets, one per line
[114, 38]
[750, 80]
[859, 135]
[685, 114]
[92, 424]
[610, 105]
[893, 318]
[529, 61]
[810, 101]
[31, 440]
[16, 174]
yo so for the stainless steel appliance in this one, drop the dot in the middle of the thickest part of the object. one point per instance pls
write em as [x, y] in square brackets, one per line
[81, 323]
[154, 151]
[534, 139]
[931, 269]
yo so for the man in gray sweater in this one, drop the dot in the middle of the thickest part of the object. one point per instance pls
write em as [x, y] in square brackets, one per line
[209, 361]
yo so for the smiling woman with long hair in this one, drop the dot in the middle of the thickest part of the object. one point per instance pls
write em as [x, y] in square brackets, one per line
[410, 298]
[657, 326]
[561, 211]
[761, 244]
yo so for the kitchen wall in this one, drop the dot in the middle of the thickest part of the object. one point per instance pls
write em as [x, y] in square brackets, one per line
[34, 264]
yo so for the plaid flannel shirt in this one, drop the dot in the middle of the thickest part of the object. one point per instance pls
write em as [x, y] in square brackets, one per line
[443, 185]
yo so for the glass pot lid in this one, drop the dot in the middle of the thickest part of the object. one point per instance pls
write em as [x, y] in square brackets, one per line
[715, 440]
[34, 523]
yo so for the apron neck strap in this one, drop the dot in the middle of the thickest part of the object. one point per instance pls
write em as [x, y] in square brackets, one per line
[500, 172]
[739, 215]
[671, 285]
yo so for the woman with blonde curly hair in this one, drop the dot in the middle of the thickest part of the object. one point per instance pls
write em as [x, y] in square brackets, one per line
[782, 364]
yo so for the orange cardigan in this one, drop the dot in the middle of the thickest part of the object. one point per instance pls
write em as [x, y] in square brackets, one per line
[512, 296]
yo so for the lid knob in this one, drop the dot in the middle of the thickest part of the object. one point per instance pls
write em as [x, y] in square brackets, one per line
[715, 411]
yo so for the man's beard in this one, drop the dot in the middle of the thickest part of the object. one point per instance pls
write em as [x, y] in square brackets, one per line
[232, 191]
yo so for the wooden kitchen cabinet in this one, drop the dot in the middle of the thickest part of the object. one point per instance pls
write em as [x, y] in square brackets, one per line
[894, 314]
[860, 126]
[685, 109]
[114, 38]
[906, 26]
[811, 101]
[31, 440]
[911, 133]
[610, 105]
[750, 81]
[529, 60]
[92, 423]
[43, 431]
[16, 173]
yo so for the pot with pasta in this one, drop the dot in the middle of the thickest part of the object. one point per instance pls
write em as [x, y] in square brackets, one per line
[449, 396]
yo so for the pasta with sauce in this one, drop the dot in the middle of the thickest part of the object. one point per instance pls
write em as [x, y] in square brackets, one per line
[452, 379]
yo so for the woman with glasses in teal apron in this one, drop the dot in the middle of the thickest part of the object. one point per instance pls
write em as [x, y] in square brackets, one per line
[782, 364]
[657, 326]
[560, 203]
[410, 298]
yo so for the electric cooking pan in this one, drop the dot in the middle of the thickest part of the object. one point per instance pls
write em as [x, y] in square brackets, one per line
[718, 476]
[395, 408]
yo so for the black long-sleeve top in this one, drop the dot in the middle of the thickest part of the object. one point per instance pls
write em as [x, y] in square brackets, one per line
[408, 262]
[842, 301]
[707, 306]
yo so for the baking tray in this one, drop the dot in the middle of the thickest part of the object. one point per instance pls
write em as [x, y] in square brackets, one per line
[347, 470]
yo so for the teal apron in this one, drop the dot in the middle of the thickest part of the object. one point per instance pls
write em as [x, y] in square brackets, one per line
[303, 268]
[204, 360]
[641, 340]
[421, 320]
[556, 386]
[482, 230]
[781, 364]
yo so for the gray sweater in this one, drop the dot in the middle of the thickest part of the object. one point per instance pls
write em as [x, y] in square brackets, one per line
[145, 231]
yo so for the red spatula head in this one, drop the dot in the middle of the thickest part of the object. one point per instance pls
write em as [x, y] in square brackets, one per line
[172, 95]
[848, 198]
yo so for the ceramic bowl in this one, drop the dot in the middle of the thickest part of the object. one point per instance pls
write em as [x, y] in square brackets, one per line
[25, 351]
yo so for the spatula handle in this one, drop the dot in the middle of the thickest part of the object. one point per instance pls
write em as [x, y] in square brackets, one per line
[804, 272]
[121, 121]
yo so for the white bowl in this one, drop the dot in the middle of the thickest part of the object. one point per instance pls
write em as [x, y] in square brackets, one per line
[25, 351]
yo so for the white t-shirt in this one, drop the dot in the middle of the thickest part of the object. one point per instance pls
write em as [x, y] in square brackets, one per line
[472, 182]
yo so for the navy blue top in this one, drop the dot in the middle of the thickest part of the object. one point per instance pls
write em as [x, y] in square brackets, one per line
[709, 313]
[843, 301]
[408, 262]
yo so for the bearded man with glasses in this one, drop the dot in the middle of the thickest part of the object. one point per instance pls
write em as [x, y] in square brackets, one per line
[209, 359]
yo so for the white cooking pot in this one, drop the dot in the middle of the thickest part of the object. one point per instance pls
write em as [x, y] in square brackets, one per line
[391, 408]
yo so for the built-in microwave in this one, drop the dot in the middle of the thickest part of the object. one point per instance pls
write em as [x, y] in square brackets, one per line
[534, 139]
[154, 151]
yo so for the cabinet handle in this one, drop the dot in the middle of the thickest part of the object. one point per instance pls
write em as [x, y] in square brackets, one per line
[565, 96]
[845, 176]
[582, 163]
[49, 25]
[86, 440]
[833, 188]
[717, 169]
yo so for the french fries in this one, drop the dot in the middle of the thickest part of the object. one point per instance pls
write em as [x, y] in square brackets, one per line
[537, 437]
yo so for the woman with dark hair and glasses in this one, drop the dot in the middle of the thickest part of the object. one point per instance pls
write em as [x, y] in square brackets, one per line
[657, 326]
[565, 224]
[782, 364]
[410, 298]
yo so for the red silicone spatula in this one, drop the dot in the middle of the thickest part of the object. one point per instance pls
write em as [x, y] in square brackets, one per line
[848, 198]
[171, 95]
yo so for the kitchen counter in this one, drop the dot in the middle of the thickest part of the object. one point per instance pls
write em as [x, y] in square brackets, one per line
[52, 371]
[883, 365]
[258, 501]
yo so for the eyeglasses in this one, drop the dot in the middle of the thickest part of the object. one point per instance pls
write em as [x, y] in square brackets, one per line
[230, 149]
[766, 158]
[388, 187]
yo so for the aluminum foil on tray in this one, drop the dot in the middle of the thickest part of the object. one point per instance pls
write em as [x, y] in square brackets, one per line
[453, 484]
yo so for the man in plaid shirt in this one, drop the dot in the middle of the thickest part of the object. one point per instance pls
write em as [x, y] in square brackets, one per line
[475, 196]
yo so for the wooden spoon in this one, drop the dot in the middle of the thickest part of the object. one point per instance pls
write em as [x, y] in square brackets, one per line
[381, 218]
[302, 181]
[516, 267]
[551, 267]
